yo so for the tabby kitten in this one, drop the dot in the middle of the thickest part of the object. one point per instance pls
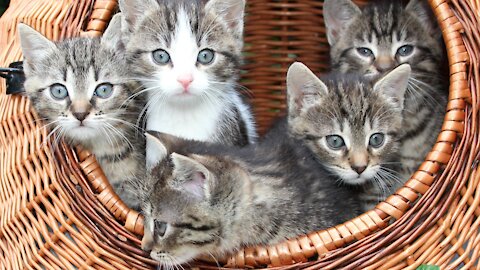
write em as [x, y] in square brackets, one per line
[382, 35]
[214, 199]
[187, 55]
[211, 199]
[78, 87]
[353, 128]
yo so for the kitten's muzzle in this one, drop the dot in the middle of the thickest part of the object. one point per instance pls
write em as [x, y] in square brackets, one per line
[81, 109]
[383, 64]
[147, 243]
[359, 169]
[81, 115]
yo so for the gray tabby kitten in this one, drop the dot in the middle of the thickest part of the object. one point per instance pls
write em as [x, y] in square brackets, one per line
[78, 87]
[187, 55]
[354, 131]
[212, 199]
[382, 35]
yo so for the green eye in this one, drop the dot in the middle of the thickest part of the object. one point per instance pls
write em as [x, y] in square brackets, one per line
[205, 56]
[161, 57]
[58, 91]
[376, 140]
[104, 90]
[365, 52]
[335, 142]
[405, 50]
[160, 228]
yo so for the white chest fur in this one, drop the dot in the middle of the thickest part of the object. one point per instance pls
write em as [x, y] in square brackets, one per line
[189, 121]
[196, 121]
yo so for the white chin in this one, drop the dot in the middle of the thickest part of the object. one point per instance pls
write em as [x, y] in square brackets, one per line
[166, 261]
[355, 181]
[82, 133]
[183, 98]
[371, 74]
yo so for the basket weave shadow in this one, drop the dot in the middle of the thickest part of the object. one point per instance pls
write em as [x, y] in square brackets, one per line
[59, 212]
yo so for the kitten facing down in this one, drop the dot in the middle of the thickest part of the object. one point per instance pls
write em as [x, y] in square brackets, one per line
[213, 199]
[78, 88]
[376, 38]
[187, 55]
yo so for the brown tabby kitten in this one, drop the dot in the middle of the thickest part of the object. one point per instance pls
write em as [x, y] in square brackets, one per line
[203, 198]
[376, 38]
[79, 88]
[355, 133]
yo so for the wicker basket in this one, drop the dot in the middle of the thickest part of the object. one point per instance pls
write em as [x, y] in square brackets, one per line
[59, 212]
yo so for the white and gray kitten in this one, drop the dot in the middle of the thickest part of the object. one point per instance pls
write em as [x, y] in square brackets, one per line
[205, 198]
[78, 88]
[187, 54]
[374, 39]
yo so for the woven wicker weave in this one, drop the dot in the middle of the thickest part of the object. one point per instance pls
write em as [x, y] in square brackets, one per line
[59, 212]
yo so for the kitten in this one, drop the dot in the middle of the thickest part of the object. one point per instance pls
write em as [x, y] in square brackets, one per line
[353, 129]
[187, 55]
[382, 35]
[78, 87]
[211, 199]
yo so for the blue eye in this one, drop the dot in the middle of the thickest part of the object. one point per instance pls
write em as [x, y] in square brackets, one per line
[335, 142]
[58, 91]
[365, 52]
[205, 56]
[160, 228]
[376, 140]
[161, 57]
[405, 50]
[104, 90]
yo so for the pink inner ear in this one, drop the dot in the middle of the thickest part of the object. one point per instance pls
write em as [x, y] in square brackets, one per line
[196, 185]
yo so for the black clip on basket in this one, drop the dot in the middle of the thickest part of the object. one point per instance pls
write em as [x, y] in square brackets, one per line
[15, 78]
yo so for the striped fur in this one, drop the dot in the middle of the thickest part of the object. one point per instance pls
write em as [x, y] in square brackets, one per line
[384, 27]
[215, 199]
[81, 65]
[210, 108]
[355, 109]
[203, 198]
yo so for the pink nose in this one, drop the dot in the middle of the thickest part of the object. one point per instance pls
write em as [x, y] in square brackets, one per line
[185, 80]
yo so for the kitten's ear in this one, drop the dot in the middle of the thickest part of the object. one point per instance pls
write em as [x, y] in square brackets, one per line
[303, 88]
[394, 84]
[113, 35]
[34, 45]
[232, 12]
[157, 151]
[422, 11]
[133, 10]
[191, 176]
[338, 14]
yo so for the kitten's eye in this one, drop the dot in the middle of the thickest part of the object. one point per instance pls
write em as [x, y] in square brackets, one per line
[104, 90]
[160, 228]
[161, 57]
[405, 50]
[365, 52]
[335, 142]
[376, 140]
[205, 56]
[58, 91]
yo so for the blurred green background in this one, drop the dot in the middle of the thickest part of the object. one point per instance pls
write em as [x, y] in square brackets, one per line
[3, 6]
